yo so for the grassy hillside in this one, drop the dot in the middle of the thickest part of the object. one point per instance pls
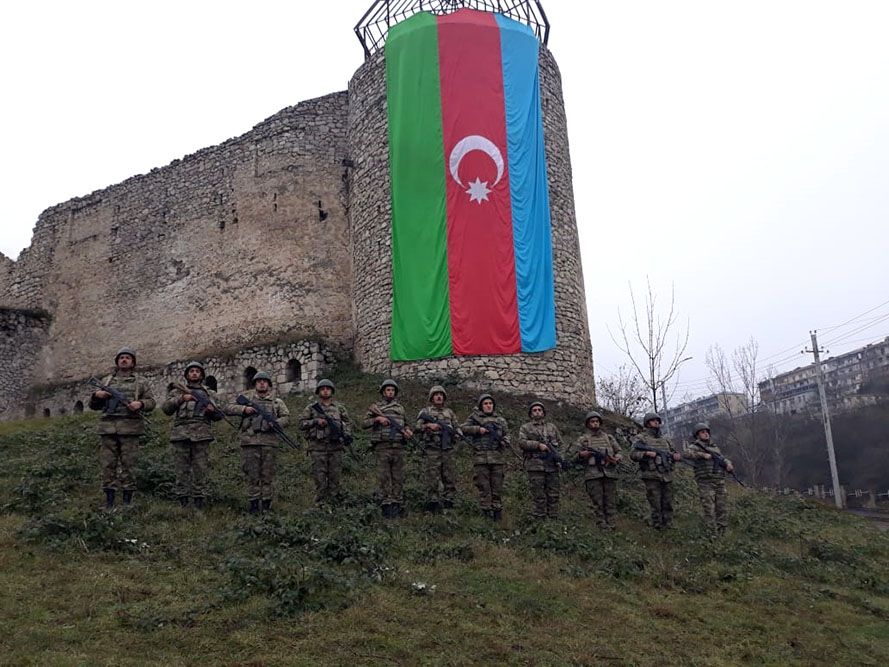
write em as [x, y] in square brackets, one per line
[793, 583]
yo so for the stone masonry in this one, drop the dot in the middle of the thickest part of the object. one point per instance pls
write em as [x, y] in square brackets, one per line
[22, 335]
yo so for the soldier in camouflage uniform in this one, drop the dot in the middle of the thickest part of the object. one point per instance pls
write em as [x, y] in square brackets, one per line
[656, 470]
[710, 477]
[259, 444]
[488, 433]
[438, 430]
[121, 425]
[540, 443]
[191, 434]
[599, 453]
[326, 440]
[388, 437]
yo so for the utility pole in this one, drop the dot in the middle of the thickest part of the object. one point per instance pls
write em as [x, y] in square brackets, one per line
[825, 416]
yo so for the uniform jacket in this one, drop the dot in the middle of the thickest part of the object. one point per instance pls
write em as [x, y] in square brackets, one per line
[320, 437]
[531, 435]
[254, 429]
[486, 449]
[385, 437]
[659, 468]
[433, 439]
[188, 423]
[122, 421]
[704, 469]
[604, 444]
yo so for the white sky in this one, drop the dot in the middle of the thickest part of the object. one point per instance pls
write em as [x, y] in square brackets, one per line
[739, 151]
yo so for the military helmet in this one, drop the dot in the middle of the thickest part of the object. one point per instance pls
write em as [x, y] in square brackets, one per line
[125, 350]
[484, 397]
[325, 383]
[592, 414]
[388, 382]
[262, 375]
[194, 364]
[701, 426]
[536, 404]
[649, 416]
[437, 389]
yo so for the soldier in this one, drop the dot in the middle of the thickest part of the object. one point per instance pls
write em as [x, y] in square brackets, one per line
[488, 433]
[541, 445]
[656, 469]
[438, 430]
[328, 429]
[259, 444]
[192, 433]
[599, 453]
[121, 425]
[388, 435]
[710, 477]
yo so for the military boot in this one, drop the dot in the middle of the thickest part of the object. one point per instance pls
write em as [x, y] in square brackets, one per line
[266, 504]
[389, 511]
[127, 497]
[198, 502]
[497, 515]
[489, 514]
[254, 506]
[433, 506]
[447, 504]
[183, 501]
[109, 498]
[400, 511]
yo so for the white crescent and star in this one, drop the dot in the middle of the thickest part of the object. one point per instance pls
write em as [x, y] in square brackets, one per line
[478, 190]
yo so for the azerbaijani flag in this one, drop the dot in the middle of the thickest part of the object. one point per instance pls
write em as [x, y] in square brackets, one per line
[472, 265]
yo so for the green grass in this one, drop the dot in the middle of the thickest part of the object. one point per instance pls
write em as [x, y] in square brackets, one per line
[792, 583]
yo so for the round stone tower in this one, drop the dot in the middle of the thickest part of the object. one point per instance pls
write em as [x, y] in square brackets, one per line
[565, 372]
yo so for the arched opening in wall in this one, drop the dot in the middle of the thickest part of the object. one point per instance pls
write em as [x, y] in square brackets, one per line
[63, 411]
[294, 371]
[249, 372]
[46, 412]
[210, 383]
[78, 407]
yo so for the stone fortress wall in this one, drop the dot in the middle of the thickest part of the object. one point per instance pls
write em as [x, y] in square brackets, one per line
[563, 373]
[277, 238]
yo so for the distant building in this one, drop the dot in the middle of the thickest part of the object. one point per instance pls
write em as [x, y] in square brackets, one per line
[680, 420]
[852, 380]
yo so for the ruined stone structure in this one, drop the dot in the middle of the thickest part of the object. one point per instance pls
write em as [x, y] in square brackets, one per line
[248, 254]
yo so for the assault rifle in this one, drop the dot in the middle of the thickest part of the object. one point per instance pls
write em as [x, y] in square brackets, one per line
[448, 432]
[601, 460]
[492, 427]
[202, 401]
[117, 398]
[336, 426]
[720, 460]
[552, 452]
[665, 454]
[268, 418]
[394, 425]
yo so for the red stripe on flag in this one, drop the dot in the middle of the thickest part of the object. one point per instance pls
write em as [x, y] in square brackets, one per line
[481, 261]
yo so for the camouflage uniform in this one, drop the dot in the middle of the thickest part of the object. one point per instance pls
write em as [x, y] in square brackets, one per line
[190, 438]
[119, 432]
[600, 480]
[488, 457]
[543, 471]
[439, 466]
[259, 445]
[388, 444]
[657, 475]
[325, 451]
[710, 477]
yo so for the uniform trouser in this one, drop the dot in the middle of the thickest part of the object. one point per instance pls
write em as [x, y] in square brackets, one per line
[440, 473]
[603, 494]
[660, 498]
[488, 479]
[192, 462]
[713, 502]
[327, 469]
[260, 466]
[544, 492]
[117, 458]
[390, 475]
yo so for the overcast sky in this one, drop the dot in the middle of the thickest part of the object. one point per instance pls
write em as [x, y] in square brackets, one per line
[736, 151]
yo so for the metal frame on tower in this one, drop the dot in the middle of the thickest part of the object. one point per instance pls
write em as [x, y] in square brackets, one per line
[383, 14]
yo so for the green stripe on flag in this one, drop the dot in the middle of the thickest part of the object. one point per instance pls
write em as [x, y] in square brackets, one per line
[421, 319]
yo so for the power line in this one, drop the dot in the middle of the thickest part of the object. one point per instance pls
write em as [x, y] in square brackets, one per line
[857, 317]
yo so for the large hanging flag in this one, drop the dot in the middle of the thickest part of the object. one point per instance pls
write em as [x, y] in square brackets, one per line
[471, 249]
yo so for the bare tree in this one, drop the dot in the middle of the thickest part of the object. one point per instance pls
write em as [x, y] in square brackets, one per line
[652, 342]
[623, 393]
